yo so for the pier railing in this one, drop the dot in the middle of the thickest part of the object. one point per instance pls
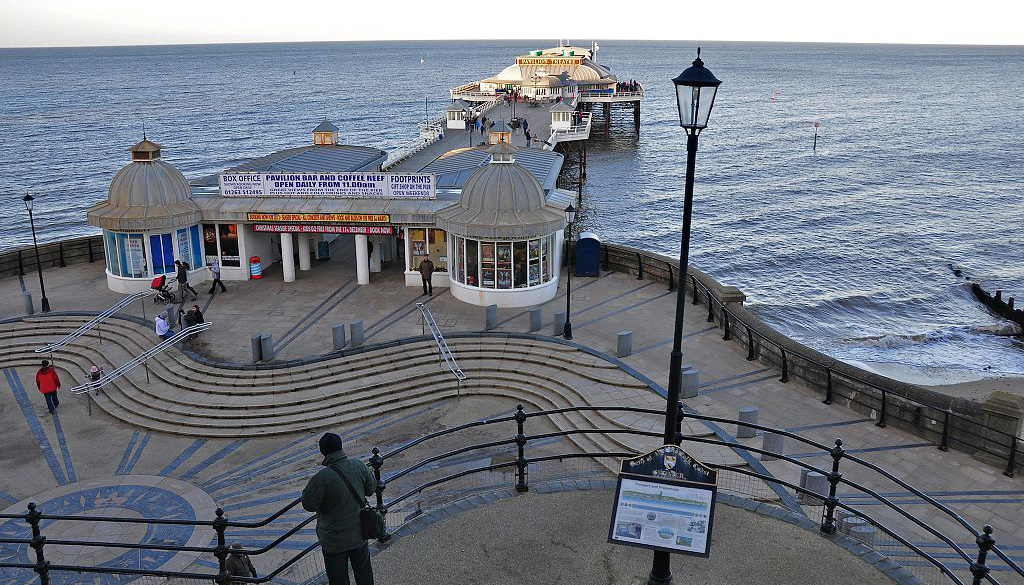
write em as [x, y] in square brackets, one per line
[962, 424]
[52, 254]
[839, 506]
[579, 131]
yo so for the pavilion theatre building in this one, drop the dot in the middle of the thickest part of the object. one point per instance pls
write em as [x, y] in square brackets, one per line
[489, 218]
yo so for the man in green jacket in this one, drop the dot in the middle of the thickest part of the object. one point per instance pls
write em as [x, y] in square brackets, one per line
[337, 509]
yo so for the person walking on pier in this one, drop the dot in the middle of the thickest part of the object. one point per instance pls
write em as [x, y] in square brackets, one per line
[48, 383]
[183, 284]
[215, 271]
[331, 493]
[426, 270]
[528, 138]
[238, 564]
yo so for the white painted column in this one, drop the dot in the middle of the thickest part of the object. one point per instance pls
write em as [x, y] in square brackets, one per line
[405, 252]
[287, 258]
[303, 251]
[375, 256]
[393, 246]
[316, 247]
[362, 260]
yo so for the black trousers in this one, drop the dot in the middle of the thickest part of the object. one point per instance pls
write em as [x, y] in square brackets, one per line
[428, 286]
[337, 566]
[213, 287]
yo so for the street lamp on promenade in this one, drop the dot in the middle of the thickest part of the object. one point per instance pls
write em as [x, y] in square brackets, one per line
[570, 217]
[695, 95]
[39, 267]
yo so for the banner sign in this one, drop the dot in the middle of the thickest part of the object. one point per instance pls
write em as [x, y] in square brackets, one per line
[373, 230]
[549, 60]
[320, 217]
[665, 500]
[329, 185]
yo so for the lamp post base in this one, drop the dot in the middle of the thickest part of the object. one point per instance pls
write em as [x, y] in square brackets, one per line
[45, 305]
[566, 332]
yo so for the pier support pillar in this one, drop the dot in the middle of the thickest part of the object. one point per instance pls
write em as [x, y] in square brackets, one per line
[636, 117]
[303, 252]
[362, 260]
[287, 258]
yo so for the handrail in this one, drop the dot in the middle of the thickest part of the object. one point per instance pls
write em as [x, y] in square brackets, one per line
[95, 321]
[141, 358]
[442, 345]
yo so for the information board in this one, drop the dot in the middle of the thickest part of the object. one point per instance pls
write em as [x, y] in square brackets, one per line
[329, 185]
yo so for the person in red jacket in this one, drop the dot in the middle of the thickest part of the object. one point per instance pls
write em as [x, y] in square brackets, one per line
[48, 383]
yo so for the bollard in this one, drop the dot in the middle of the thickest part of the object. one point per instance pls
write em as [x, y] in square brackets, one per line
[841, 517]
[559, 325]
[28, 303]
[850, 521]
[865, 533]
[689, 384]
[535, 320]
[748, 414]
[355, 329]
[338, 336]
[1009, 303]
[267, 346]
[171, 315]
[257, 348]
[491, 318]
[625, 344]
[817, 483]
[803, 477]
[772, 442]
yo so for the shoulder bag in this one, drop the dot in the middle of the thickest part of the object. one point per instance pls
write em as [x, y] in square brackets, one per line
[371, 521]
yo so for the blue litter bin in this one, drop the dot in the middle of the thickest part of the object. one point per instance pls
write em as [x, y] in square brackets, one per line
[588, 255]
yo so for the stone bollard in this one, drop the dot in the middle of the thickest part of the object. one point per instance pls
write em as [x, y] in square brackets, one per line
[536, 321]
[28, 303]
[355, 329]
[625, 344]
[558, 327]
[491, 318]
[841, 517]
[772, 442]
[689, 382]
[748, 414]
[865, 533]
[817, 483]
[171, 315]
[257, 348]
[803, 477]
[850, 521]
[267, 346]
[338, 336]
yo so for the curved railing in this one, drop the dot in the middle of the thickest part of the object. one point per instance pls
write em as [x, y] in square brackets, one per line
[903, 527]
[91, 323]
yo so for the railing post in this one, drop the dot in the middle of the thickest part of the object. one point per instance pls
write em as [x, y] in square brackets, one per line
[21, 264]
[60, 246]
[88, 244]
[785, 366]
[750, 345]
[680, 413]
[985, 543]
[711, 309]
[828, 524]
[521, 485]
[376, 462]
[639, 266]
[1011, 462]
[671, 280]
[221, 550]
[828, 386]
[725, 324]
[881, 413]
[944, 446]
[42, 567]
[693, 281]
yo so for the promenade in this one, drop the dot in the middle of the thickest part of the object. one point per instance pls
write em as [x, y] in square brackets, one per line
[253, 473]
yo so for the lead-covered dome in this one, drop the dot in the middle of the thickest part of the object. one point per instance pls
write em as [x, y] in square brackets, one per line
[502, 200]
[146, 194]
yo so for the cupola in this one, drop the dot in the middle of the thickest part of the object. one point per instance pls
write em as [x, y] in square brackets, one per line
[145, 151]
[326, 134]
[500, 132]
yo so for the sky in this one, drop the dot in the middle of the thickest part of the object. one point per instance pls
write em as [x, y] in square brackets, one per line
[53, 23]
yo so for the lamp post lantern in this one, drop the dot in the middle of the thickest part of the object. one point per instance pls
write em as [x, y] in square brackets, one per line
[695, 95]
[45, 303]
[570, 217]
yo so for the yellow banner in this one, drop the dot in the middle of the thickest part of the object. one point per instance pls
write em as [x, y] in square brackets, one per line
[321, 217]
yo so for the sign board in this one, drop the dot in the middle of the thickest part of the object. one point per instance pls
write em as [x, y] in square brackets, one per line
[373, 230]
[549, 60]
[330, 185]
[665, 500]
[319, 217]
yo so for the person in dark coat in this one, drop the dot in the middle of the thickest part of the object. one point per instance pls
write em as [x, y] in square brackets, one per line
[238, 564]
[48, 383]
[337, 510]
[183, 284]
[426, 270]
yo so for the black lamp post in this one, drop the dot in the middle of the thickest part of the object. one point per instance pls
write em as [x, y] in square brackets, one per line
[39, 267]
[695, 94]
[570, 217]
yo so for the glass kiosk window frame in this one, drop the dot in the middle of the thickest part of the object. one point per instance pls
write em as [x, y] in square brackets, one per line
[503, 265]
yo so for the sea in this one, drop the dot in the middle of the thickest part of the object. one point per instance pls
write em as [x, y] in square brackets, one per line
[848, 246]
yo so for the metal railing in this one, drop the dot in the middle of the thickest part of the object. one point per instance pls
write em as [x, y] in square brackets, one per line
[142, 358]
[442, 345]
[888, 406]
[904, 528]
[95, 321]
[579, 131]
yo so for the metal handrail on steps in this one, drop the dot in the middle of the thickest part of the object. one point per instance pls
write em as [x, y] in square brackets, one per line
[442, 345]
[141, 359]
[95, 321]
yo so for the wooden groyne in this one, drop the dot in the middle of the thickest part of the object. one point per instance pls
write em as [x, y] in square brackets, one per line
[997, 305]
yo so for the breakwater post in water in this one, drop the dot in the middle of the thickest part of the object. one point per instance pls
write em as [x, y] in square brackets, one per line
[997, 305]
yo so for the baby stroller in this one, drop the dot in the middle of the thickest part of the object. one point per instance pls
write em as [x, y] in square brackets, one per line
[163, 292]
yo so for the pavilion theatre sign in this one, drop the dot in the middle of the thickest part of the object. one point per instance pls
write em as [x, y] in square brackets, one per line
[665, 500]
[329, 185]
